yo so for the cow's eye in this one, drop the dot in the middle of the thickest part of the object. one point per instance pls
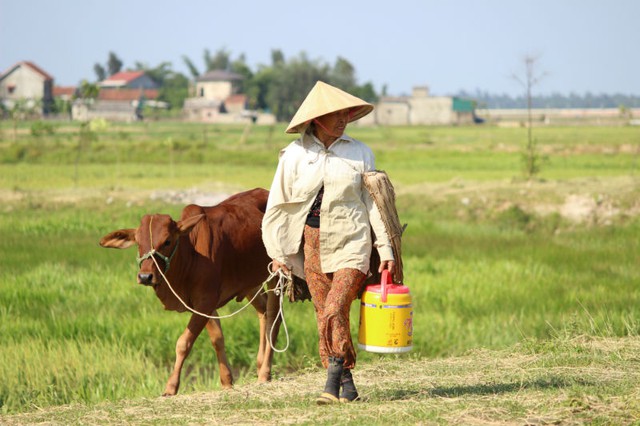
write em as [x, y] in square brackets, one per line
[167, 243]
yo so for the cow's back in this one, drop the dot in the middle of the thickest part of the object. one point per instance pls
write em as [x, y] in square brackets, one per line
[256, 197]
[231, 238]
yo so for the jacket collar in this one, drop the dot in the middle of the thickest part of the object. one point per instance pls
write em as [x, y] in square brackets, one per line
[310, 139]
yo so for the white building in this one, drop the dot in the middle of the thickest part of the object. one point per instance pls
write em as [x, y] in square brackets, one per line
[26, 81]
[421, 109]
[219, 100]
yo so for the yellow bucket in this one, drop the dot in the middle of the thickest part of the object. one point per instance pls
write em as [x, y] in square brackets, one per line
[386, 318]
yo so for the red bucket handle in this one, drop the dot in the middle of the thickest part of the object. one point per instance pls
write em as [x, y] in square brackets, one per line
[385, 279]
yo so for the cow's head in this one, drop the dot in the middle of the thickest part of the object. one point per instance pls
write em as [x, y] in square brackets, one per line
[157, 238]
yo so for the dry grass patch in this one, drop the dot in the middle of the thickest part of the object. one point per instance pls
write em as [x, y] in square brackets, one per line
[593, 201]
[573, 381]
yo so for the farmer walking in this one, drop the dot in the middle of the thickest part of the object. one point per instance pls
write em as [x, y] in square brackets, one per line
[319, 221]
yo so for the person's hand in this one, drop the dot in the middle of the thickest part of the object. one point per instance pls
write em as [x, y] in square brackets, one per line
[387, 264]
[275, 266]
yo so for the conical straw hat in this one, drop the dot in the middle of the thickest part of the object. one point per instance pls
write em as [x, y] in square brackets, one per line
[324, 99]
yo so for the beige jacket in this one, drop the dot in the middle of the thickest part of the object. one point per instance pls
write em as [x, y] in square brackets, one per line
[347, 215]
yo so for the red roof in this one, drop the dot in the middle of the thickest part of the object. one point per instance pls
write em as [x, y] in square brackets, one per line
[63, 91]
[30, 65]
[236, 99]
[126, 94]
[127, 76]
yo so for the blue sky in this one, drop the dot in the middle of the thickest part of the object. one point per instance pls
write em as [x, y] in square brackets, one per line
[582, 45]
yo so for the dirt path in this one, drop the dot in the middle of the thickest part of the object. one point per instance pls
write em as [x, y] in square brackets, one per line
[574, 381]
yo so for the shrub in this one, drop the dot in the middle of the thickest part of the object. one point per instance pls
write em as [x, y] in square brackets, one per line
[39, 128]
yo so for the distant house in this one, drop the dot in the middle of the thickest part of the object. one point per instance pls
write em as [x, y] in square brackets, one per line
[65, 93]
[128, 80]
[218, 85]
[26, 81]
[421, 109]
[121, 98]
[212, 90]
[128, 86]
[218, 99]
[235, 104]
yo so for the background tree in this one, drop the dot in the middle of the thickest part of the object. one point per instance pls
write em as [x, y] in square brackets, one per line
[220, 61]
[343, 75]
[258, 88]
[174, 86]
[366, 92]
[531, 78]
[281, 86]
[239, 66]
[174, 90]
[292, 82]
[553, 100]
[101, 73]
[158, 74]
[88, 90]
[114, 64]
[193, 70]
[277, 58]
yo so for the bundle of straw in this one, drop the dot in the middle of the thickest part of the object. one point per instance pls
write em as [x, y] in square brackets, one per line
[379, 186]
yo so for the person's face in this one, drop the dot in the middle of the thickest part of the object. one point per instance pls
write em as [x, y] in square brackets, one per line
[334, 124]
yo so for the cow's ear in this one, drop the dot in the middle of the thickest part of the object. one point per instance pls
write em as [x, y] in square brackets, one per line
[185, 225]
[121, 239]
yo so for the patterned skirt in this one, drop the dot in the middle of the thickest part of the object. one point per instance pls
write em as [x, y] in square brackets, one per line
[332, 295]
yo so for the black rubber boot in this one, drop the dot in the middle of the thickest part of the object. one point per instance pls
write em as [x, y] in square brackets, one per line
[349, 391]
[332, 387]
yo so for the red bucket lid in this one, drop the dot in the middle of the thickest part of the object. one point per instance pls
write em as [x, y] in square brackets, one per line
[387, 287]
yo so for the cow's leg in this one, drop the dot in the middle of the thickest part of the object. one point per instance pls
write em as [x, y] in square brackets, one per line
[217, 340]
[260, 305]
[271, 327]
[183, 347]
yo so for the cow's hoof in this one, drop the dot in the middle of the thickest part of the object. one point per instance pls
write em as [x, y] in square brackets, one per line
[168, 391]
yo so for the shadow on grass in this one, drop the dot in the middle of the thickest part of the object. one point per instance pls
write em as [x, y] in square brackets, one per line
[482, 389]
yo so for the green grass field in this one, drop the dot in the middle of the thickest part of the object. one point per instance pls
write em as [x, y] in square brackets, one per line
[491, 258]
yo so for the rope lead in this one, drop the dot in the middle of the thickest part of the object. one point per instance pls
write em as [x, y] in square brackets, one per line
[279, 291]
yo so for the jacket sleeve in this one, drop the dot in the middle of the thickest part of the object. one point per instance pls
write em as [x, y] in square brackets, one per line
[272, 222]
[381, 241]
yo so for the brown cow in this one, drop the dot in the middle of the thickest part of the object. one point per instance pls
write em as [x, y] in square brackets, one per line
[210, 256]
